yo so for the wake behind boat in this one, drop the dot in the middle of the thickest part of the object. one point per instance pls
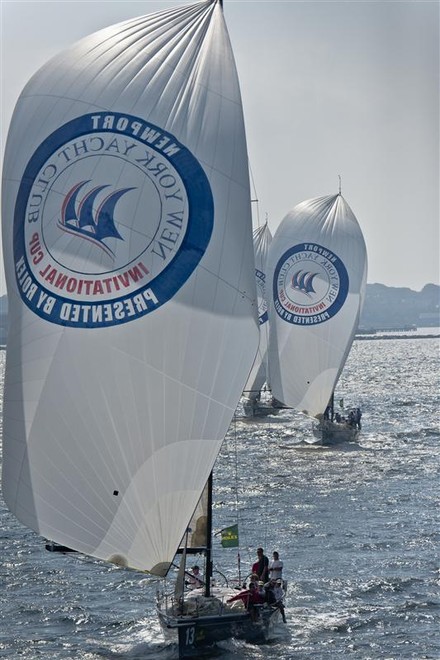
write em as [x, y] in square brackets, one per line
[317, 268]
[127, 239]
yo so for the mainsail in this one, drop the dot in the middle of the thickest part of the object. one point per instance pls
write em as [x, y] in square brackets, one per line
[128, 349]
[317, 268]
[258, 375]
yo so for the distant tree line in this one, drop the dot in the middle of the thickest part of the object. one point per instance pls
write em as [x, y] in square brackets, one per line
[393, 308]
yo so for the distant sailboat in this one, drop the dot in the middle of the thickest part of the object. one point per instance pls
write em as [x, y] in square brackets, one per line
[317, 269]
[253, 405]
[127, 239]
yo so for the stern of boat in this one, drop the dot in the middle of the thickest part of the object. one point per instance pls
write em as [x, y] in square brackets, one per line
[199, 622]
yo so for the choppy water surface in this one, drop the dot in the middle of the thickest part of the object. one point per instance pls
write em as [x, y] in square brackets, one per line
[357, 527]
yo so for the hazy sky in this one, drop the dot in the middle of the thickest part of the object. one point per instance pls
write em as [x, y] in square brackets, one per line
[328, 88]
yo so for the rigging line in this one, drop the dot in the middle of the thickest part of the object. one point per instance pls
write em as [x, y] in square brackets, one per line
[241, 534]
[266, 516]
[254, 196]
[236, 467]
[236, 496]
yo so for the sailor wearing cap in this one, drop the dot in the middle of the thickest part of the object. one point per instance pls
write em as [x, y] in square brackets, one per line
[195, 578]
[261, 589]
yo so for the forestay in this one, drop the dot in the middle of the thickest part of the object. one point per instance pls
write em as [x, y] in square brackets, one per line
[317, 269]
[128, 249]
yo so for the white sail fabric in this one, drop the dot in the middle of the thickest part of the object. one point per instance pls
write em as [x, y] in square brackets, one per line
[127, 238]
[258, 374]
[317, 269]
[197, 533]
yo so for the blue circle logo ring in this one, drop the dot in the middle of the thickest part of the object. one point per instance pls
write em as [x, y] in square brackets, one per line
[317, 278]
[163, 285]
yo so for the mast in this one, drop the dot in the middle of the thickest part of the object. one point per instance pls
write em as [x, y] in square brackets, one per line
[208, 571]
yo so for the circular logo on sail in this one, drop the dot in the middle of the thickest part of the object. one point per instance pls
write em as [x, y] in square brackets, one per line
[310, 284]
[260, 278]
[112, 216]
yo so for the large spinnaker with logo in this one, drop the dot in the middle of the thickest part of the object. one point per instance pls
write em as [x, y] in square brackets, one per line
[258, 375]
[317, 267]
[127, 237]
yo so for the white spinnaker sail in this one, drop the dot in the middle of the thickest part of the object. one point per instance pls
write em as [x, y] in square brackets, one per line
[317, 269]
[127, 236]
[197, 532]
[258, 374]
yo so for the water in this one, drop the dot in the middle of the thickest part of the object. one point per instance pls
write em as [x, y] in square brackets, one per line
[357, 527]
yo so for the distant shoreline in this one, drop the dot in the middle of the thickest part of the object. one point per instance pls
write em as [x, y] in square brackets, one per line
[374, 337]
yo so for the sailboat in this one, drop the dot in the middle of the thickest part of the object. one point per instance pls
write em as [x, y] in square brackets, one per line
[317, 269]
[257, 383]
[205, 612]
[127, 238]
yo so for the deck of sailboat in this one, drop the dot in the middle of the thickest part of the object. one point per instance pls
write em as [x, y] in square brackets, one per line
[253, 408]
[202, 622]
[332, 432]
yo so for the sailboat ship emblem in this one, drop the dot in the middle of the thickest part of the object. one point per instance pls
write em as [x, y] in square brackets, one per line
[78, 215]
[303, 281]
[310, 284]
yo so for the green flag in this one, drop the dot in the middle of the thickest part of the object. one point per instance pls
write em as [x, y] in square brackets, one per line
[230, 537]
